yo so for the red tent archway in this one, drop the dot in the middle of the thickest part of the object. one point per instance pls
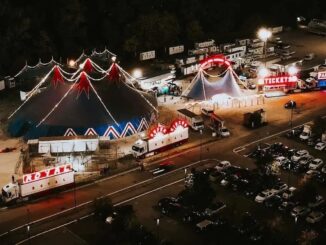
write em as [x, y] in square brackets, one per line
[219, 59]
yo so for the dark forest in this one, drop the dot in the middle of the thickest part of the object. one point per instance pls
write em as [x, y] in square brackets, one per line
[34, 29]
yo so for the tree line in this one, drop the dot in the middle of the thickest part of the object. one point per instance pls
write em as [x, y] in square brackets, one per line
[34, 29]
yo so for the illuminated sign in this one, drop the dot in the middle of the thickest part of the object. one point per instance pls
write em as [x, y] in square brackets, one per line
[177, 124]
[46, 173]
[215, 59]
[322, 75]
[157, 131]
[161, 130]
[280, 80]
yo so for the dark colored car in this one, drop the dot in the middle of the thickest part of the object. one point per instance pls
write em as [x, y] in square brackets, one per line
[287, 206]
[291, 104]
[273, 202]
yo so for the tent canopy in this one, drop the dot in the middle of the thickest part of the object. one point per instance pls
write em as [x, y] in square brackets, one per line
[202, 89]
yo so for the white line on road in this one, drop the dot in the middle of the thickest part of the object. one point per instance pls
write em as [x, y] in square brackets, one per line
[236, 150]
[117, 204]
[109, 194]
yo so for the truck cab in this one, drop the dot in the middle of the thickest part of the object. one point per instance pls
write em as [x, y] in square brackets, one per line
[139, 148]
[197, 123]
[10, 192]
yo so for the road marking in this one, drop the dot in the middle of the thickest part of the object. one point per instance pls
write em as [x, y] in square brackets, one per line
[117, 204]
[235, 150]
[106, 195]
[149, 192]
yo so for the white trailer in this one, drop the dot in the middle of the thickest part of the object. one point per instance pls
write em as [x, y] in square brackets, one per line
[194, 121]
[150, 146]
[38, 182]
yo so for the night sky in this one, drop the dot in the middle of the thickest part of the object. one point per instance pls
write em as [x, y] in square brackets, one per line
[33, 29]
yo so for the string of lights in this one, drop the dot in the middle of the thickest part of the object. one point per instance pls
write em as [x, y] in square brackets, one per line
[31, 93]
[56, 105]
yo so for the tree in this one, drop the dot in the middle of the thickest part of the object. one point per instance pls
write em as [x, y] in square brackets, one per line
[319, 126]
[103, 208]
[194, 31]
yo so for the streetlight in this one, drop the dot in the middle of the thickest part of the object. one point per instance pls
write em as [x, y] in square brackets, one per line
[264, 34]
[292, 70]
[158, 228]
[137, 73]
[201, 137]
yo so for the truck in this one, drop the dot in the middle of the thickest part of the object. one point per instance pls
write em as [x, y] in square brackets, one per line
[255, 119]
[149, 146]
[194, 121]
[306, 132]
[216, 124]
[35, 183]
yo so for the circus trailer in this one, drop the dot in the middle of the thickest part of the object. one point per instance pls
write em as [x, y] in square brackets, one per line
[194, 121]
[38, 182]
[161, 138]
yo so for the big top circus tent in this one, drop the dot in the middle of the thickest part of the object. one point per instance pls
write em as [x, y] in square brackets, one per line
[227, 83]
[79, 104]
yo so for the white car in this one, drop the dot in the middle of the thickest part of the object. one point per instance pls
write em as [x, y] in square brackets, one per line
[280, 187]
[320, 146]
[264, 195]
[203, 224]
[287, 194]
[311, 173]
[281, 160]
[314, 217]
[300, 211]
[304, 135]
[316, 164]
[224, 132]
[222, 165]
[299, 154]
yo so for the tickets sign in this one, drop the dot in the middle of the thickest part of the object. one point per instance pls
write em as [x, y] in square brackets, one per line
[46, 173]
[280, 80]
[322, 75]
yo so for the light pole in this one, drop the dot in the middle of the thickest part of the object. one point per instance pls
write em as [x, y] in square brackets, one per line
[201, 136]
[28, 227]
[264, 34]
[158, 228]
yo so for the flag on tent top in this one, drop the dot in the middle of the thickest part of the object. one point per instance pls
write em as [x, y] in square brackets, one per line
[114, 73]
[83, 84]
[88, 67]
[57, 77]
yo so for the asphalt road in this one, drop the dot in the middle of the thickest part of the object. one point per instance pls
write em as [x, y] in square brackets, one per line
[136, 183]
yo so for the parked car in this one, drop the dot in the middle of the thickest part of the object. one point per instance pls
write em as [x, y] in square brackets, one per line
[264, 195]
[203, 225]
[317, 202]
[222, 165]
[280, 161]
[299, 154]
[279, 187]
[300, 211]
[314, 217]
[224, 132]
[320, 146]
[287, 206]
[306, 159]
[273, 202]
[291, 104]
[288, 194]
[316, 164]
